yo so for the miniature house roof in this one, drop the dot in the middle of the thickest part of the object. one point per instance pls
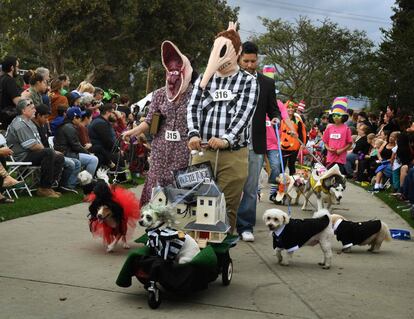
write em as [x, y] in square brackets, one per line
[209, 190]
[179, 195]
[219, 227]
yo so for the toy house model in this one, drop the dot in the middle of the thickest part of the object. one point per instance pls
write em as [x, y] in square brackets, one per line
[209, 225]
[179, 197]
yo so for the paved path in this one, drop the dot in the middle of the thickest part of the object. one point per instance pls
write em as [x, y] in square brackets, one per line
[50, 267]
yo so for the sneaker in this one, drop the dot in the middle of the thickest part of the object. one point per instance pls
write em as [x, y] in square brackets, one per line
[47, 192]
[67, 189]
[375, 190]
[247, 236]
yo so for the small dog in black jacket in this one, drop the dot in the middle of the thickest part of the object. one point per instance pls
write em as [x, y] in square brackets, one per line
[372, 232]
[290, 234]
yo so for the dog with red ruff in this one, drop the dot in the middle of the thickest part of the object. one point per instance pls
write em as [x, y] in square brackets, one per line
[114, 212]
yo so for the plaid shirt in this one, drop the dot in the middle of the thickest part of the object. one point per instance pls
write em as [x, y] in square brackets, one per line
[228, 119]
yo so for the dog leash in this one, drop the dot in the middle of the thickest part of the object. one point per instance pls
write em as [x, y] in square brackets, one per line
[282, 164]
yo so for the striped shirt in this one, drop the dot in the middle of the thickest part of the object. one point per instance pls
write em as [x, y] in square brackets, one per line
[227, 118]
[166, 242]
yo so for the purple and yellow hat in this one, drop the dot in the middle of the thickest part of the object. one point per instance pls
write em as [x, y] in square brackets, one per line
[340, 106]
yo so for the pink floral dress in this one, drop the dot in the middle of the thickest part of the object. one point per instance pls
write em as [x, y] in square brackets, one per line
[167, 156]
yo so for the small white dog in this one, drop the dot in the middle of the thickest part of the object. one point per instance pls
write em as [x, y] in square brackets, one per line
[290, 234]
[372, 232]
[168, 242]
[327, 186]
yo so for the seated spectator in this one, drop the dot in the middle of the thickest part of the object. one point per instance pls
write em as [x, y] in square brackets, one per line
[363, 118]
[56, 99]
[65, 83]
[388, 157]
[26, 144]
[58, 120]
[71, 166]
[103, 137]
[38, 86]
[67, 141]
[73, 98]
[124, 106]
[361, 149]
[9, 91]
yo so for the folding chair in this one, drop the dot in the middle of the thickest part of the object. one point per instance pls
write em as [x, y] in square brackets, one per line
[23, 171]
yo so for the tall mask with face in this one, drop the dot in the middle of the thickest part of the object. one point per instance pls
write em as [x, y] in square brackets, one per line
[223, 57]
[178, 70]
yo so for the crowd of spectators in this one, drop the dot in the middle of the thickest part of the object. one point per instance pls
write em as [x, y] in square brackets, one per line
[63, 131]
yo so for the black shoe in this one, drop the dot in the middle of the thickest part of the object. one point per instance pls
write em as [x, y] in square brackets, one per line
[66, 189]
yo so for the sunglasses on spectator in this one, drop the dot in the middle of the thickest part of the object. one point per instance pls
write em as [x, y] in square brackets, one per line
[336, 115]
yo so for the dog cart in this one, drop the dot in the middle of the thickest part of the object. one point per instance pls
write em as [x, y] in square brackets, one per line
[153, 271]
[196, 195]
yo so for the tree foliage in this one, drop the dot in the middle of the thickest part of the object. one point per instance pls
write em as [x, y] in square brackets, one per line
[396, 58]
[316, 63]
[109, 42]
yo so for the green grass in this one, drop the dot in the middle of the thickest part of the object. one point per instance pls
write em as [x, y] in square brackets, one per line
[392, 202]
[26, 205]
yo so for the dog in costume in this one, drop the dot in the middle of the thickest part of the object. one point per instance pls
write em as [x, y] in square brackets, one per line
[349, 233]
[165, 241]
[290, 234]
[114, 212]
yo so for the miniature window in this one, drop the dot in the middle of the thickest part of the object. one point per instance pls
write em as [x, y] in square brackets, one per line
[201, 201]
[210, 203]
[178, 211]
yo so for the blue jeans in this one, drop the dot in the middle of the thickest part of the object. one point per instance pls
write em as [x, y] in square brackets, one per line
[274, 161]
[246, 214]
[350, 163]
[71, 169]
[89, 161]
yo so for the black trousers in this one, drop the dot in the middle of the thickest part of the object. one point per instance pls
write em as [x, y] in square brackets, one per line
[51, 165]
[289, 159]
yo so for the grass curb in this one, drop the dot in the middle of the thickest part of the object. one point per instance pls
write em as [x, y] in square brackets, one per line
[391, 202]
[26, 205]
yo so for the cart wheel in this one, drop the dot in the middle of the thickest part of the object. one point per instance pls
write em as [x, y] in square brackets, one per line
[154, 299]
[227, 272]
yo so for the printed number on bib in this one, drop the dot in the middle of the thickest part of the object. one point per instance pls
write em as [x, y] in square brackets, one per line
[172, 136]
[335, 136]
[222, 95]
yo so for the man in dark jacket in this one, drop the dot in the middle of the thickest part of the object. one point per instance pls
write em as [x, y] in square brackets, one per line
[103, 138]
[71, 166]
[246, 214]
[67, 141]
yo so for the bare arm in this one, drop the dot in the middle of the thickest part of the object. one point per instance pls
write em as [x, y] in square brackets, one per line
[142, 128]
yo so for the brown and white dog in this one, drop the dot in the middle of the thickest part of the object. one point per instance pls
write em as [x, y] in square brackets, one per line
[114, 212]
[290, 234]
[372, 232]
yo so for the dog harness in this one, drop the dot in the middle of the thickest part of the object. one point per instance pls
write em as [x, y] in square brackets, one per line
[166, 242]
[354, 233]
[297, 232]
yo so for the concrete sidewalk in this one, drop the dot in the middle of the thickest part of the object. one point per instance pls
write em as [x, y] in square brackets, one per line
[50, 267]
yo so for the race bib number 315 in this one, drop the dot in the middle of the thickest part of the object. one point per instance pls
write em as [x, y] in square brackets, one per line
[173, 136]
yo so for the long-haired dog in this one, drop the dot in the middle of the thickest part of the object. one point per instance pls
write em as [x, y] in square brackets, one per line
[163, 239]
[328, 186]
[114, 213]
[372, 232]
[290, 234]
[87, 181]
[290, 187]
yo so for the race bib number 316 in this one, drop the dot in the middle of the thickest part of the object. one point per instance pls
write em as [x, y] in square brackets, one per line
[222, 95]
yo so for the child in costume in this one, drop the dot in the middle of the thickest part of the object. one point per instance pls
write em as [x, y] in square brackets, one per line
[169, 149]
[337, 136]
